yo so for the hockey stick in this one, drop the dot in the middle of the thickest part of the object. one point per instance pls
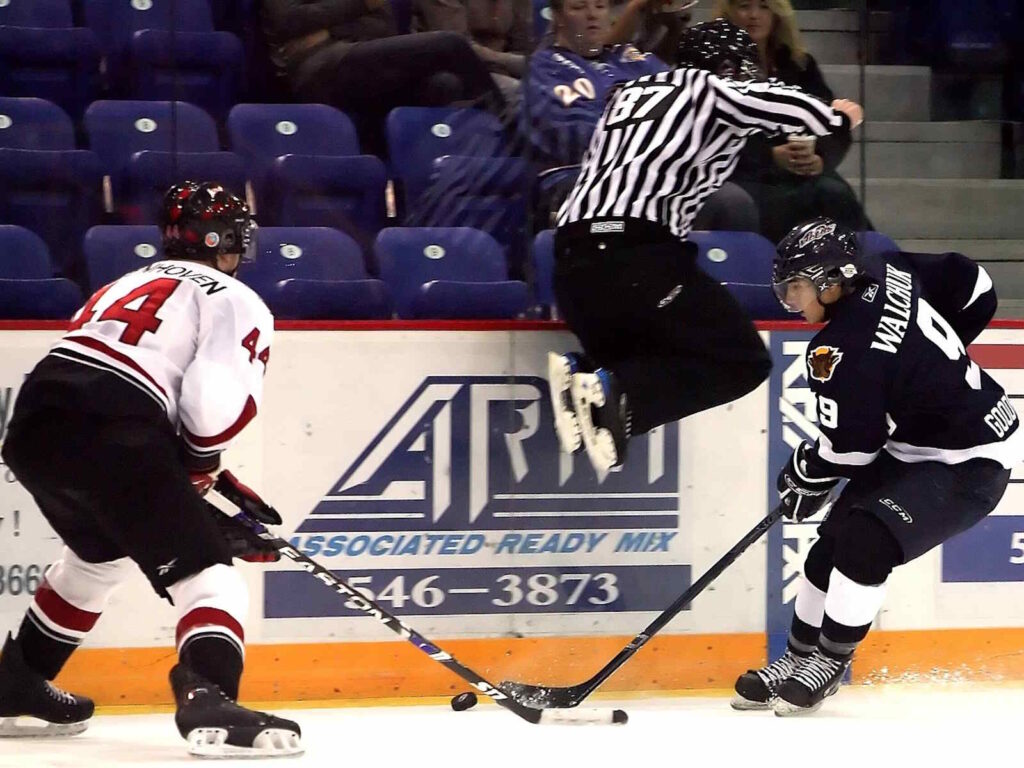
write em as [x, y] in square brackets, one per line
[371, 608]
[551, 697]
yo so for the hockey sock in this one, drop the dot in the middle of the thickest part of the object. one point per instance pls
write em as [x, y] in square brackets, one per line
[849, 610]
[212, 607]
[807, 617]
[65, 607]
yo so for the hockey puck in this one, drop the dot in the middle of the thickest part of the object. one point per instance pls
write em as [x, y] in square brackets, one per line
[464, 701]
[619, 717]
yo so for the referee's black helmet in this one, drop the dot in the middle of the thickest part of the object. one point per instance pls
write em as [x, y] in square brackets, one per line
[722, 49]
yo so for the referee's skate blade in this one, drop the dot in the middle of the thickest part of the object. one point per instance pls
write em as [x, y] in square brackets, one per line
[271, 742]
[30, 727]
[567, 426]
[741, 704]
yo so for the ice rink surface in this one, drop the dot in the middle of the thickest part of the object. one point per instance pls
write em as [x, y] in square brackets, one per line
[904, 725]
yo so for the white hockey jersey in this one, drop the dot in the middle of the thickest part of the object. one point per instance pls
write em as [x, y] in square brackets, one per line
[194, 339]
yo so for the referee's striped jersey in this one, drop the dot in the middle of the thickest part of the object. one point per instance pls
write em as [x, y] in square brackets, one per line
[667, 141]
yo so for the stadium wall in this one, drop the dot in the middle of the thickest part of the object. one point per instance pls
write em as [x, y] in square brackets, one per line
[417, 460]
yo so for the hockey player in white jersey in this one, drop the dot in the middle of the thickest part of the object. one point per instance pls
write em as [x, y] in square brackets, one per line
[116, 433]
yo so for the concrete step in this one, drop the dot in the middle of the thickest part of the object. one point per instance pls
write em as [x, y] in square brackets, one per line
[1010, 309]
[967, 150]
[946, 209]
[892, 94]
[1007, 277]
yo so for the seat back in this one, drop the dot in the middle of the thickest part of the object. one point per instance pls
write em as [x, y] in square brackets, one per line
[150, 174]
[113, 251]
[59, 65]
[27, 123]
[742, 262]
[261, 133]
[116, 130]
[876, 242]
[543, 258]
[23, 254]
[36, 13]
[408, 257]
[304, 253]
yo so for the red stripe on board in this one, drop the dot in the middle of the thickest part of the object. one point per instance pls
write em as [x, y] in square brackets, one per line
[212, 618]
[99, 346]
[997, 355]
[61, 612]
[248, 412]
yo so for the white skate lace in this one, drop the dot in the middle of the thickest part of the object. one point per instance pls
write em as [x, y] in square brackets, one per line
[62, 696]
[780, 669]
[817, 671]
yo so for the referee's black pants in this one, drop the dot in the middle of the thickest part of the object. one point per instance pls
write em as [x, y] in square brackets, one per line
[676, 339]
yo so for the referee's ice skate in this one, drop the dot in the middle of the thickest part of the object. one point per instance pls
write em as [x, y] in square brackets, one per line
[560, 372]
[603, 414]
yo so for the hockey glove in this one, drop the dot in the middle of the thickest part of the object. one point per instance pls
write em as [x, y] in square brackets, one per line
[242, 530]
[801, 494]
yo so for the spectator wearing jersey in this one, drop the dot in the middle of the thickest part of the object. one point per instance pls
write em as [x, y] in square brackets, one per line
[500, 32]
[568, 85]
[789, 184]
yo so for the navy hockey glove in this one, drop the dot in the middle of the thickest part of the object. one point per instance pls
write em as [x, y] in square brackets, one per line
[801, 494]
[242, 530]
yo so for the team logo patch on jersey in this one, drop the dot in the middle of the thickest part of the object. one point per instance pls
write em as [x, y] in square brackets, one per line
[822, 362]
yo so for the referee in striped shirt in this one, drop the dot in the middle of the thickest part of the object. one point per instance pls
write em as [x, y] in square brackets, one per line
[661, 339]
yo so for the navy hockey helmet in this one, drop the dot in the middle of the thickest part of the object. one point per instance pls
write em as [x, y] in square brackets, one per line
[822, 251]
[722, 49]
[201, 220]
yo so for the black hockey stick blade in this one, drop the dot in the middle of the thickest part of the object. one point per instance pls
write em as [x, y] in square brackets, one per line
[590, 716]
[556, 697]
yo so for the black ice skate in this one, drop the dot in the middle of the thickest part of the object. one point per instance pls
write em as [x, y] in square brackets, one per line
[604, 418]
[560, 372]
[804, 691]
[757, 688]
[215, 726]
[30, 705]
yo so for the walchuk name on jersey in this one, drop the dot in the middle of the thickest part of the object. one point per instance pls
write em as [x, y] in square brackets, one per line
[892, 326]
[210, 284]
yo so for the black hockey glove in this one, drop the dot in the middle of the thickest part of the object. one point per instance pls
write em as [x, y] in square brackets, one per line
[242, 530]
[801, 494]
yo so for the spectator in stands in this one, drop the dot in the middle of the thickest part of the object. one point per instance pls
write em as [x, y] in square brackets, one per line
[500, 32]
[347, 53]
[567, 85]
[790, 182]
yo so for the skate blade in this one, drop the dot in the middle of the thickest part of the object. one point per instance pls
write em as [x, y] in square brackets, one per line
[587, 393]
[30, 727]
[567, 426]
[741, 704]
[273, 742]
[783, 708]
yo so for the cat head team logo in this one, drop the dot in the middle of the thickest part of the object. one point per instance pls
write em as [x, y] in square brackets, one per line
[822, 362]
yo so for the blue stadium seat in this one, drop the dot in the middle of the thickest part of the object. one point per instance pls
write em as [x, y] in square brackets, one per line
[876, 242]
[36, 13]
[162, 49]
[417, 136]
[742, 262]
[58, 195]
[346, 193]
[111, 252]
[203, 68]
[411, 257]
[543, 258]
[39, 299]
[304, 253]
[59, 65]
[23, 254]
[331, 300]
[458, 300]
[261, 133]
[27, 123]
[149, 175]
[541, 18]
[116, 130]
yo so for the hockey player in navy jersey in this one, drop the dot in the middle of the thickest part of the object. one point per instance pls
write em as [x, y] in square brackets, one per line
[116, 434]
[924, 436]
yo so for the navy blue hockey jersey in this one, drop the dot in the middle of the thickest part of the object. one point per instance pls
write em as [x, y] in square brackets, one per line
[890, 371]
